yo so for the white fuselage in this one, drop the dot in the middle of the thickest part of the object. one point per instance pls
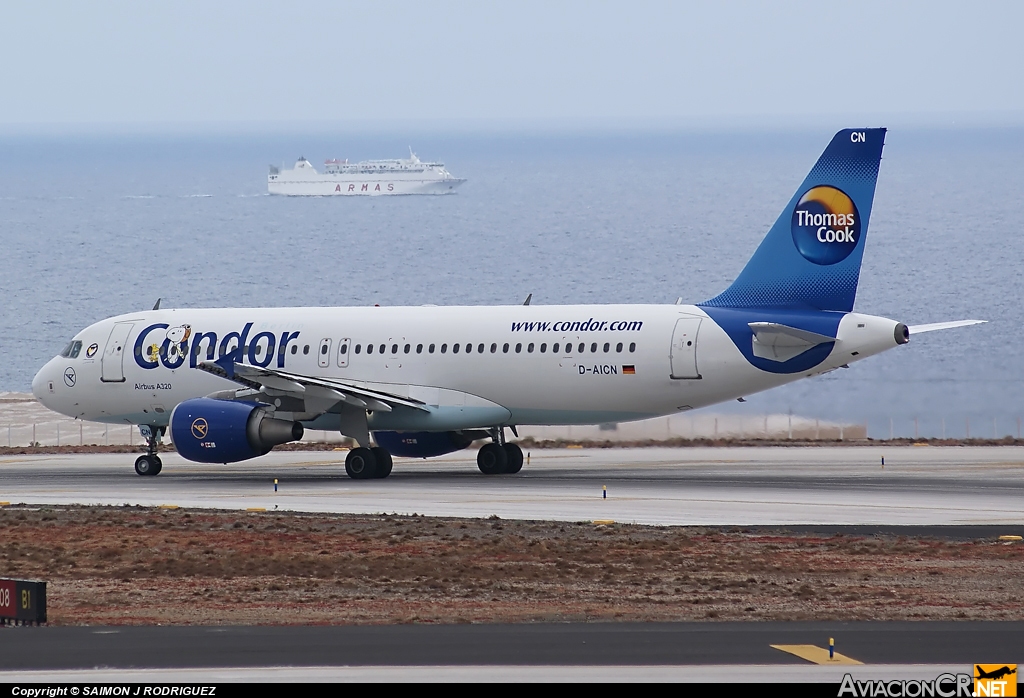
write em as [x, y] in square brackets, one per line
[613, 362]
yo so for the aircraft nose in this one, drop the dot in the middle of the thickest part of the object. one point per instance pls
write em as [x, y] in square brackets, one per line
[41, 383]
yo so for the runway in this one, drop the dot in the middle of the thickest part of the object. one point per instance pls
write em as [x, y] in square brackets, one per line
[767, 486]
[563, 651]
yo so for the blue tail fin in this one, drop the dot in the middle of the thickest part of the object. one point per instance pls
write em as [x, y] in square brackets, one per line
[811, 257]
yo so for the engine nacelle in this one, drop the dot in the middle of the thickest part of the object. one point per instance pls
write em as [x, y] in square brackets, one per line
[421, 444]
[209, 430]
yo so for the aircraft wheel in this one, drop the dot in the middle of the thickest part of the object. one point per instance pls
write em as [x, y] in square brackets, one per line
[515, 458]
[147, 465]
[159, 465]
[360, 464]
[384, 462]
[492, 459]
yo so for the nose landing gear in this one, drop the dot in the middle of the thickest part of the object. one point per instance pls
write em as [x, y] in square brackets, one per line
[150, 463]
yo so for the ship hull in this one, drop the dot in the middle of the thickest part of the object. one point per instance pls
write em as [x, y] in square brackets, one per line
[336, 186]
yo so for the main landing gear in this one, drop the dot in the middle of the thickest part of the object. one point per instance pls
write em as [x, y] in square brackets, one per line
[368, 463]
[498, 457]
[150, 463]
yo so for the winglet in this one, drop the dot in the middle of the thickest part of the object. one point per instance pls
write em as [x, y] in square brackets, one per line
[228, 361]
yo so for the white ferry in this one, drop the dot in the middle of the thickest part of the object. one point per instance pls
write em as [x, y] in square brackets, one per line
[367, 178]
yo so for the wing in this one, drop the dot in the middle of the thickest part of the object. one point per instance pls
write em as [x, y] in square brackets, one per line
[318, 395]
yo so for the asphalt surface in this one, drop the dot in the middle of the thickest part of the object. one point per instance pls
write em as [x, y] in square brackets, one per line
[620, 644]
[761, 486]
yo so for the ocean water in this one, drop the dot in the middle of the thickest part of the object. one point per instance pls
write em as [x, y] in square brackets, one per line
[94, 226]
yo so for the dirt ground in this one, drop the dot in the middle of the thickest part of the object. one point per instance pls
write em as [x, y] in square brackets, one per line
[135, 565]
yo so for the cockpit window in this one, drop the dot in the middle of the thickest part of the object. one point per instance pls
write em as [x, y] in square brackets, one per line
[72, 350]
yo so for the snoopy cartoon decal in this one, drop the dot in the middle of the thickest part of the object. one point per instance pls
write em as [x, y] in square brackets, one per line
[177, 343]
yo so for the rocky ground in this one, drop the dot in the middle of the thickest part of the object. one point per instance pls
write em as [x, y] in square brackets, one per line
[134, 565]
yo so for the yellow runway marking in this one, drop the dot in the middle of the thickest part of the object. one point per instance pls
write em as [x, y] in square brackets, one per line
[815, 655]
[168, 506]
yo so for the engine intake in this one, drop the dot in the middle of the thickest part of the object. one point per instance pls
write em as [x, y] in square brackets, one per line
[209, 430]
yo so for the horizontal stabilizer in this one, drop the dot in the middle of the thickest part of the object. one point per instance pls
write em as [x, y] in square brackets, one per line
[777, 342]
[932, 327]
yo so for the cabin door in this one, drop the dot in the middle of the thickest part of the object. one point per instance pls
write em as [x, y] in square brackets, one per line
[112, 363]
[684, 348]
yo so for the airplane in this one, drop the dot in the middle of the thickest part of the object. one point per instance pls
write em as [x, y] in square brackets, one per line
[995, 674]
[230, 384]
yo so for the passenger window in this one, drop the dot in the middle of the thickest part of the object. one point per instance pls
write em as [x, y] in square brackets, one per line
[444, 348]
[632, 347]
[469, 348]
[419, 348]
[359, 348]
[554, 348]
[431, 349]
[494, 347]
[323, 349]
[480, 349]
[344, 348]
[543, 348]
[504, 348]
[259, 350]
[394, 349]
[607, 346]
[519, 348]
[369, 348]
[305, 349]
[383, 347]
[455, 348]
[295, 349]
[593, 348]
[618, 347]
[529, 348]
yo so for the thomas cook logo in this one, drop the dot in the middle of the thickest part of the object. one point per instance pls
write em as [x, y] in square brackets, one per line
[826, 225]
[200, 428]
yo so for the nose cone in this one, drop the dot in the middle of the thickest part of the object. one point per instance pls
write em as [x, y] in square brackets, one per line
[38, 384]
[41, 384]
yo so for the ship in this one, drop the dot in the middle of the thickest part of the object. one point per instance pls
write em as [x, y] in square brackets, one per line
[367, 178]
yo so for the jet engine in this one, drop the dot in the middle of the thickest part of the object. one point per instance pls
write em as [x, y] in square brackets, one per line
[423, 444]
[209, 430]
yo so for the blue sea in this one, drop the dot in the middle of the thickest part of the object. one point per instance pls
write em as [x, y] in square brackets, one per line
[97, 225]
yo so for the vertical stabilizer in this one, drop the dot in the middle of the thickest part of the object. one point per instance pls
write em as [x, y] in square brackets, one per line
[810, 259]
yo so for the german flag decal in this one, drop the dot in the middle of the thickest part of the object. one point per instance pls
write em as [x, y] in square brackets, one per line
[629, 370]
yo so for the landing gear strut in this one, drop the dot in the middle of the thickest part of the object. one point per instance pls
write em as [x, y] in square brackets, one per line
[150, 464]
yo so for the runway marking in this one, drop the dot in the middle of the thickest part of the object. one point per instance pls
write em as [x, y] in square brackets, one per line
[816, 655]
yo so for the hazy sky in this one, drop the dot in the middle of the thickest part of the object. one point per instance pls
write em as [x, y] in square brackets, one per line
[263, 62]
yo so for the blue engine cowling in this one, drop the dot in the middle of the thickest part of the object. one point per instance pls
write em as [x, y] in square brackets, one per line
[209, 430]
[421, 444]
